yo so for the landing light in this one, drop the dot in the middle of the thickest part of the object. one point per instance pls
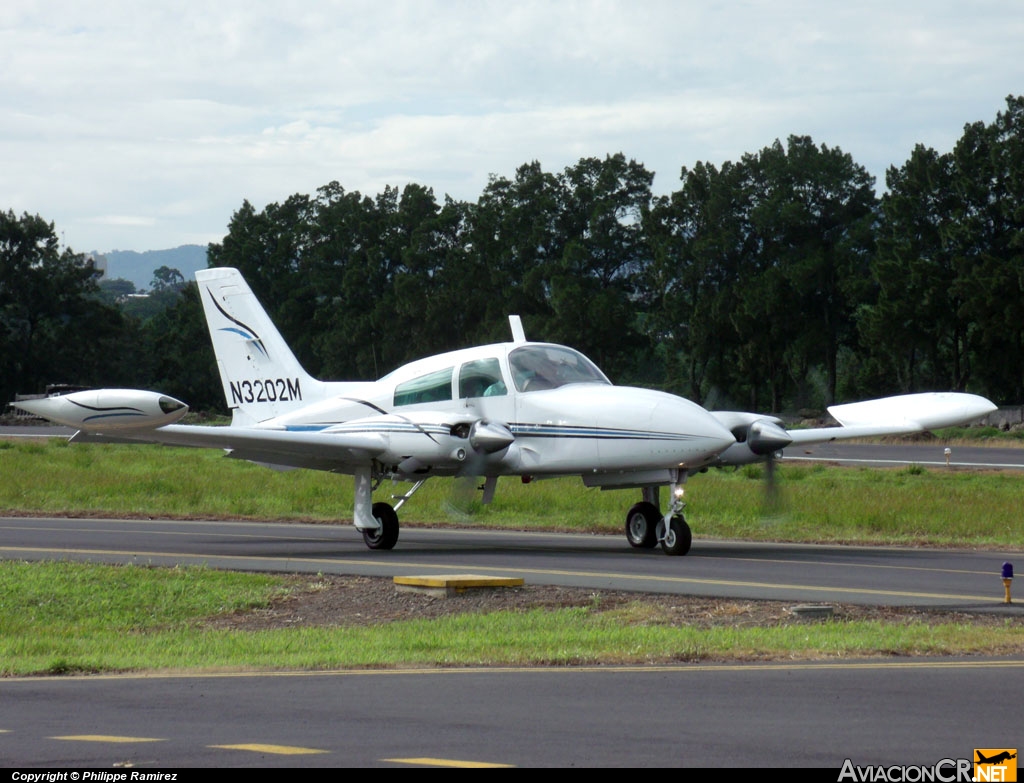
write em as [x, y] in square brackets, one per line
[679, 492]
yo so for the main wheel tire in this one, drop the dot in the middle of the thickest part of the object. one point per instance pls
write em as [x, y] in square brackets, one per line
[387, 536]
[641, 526]
[678, 537]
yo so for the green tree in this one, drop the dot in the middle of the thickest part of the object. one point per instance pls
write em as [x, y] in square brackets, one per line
[813, 214]
[516, 237]
[594, 282]
[271, 249]
[758, 268]
[54, 326]
[988, 241]
[950, 266]
[180, 356]
[915, 330]
[115, 291]
[698, 239]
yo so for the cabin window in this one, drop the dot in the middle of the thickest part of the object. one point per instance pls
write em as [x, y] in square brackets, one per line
[435, 387]
[481, 379]
[537, 367]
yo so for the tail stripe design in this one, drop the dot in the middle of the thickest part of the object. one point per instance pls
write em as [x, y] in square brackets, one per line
[248, 333]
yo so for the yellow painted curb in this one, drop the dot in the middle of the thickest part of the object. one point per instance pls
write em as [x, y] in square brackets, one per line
[453, 584]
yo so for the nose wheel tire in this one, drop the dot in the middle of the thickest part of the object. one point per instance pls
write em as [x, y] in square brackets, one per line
[677, 538]
[387, 536]
[641, 526]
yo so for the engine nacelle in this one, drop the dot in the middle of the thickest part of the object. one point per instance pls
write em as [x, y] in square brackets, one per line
[757, 437]
[103, 410]
[432, 440]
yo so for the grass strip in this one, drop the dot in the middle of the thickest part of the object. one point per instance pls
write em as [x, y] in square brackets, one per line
[64, 618]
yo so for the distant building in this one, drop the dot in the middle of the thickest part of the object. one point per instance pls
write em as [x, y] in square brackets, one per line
[99, 262]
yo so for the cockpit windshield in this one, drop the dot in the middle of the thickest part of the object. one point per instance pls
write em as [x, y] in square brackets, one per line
[536, 367]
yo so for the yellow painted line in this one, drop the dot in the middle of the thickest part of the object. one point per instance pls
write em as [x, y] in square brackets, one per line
[106, 738]
[826, 564]
[219, 534]
[554, 671]
[228, 559]
[429, 762]
[280, 750]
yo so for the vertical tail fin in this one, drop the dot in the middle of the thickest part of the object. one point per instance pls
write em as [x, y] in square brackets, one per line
[262, 378]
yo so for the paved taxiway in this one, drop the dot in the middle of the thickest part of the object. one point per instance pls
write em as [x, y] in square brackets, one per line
[925, 454]
[779, 715]
[869, 575]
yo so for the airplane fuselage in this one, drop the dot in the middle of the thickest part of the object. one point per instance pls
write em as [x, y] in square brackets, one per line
[566, 418]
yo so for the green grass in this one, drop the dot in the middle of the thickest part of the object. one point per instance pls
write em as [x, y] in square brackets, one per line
[66, 618]
[911, 505]
[980, 436]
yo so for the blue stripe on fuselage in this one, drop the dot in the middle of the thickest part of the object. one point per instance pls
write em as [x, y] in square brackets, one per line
[519, 430]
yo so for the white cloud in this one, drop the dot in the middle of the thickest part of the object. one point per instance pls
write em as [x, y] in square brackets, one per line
[173, 113]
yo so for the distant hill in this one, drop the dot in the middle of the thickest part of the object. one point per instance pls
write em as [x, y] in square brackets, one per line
[139, 267]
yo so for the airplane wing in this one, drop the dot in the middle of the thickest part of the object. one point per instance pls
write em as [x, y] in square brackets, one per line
[760, 436]
[447, 442]
[136, 416]
[323, 450]
[902, 415]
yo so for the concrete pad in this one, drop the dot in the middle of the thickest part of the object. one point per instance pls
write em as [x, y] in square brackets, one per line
[813, 611]
[445, 585]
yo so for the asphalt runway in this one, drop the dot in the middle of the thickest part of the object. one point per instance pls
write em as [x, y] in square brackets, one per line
[924, 454]
[754, 715]
[789, 572]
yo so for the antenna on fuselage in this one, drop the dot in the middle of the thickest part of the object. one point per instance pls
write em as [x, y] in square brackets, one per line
[516, 323]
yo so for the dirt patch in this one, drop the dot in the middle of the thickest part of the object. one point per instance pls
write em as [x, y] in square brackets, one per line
[338, 601]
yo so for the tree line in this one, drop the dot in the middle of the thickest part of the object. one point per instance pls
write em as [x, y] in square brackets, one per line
[776, 282]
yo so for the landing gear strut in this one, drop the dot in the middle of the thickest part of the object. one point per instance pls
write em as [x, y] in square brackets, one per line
[677, 537]
[646, 527]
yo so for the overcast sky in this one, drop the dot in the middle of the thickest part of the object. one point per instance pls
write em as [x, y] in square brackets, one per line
[144, 125]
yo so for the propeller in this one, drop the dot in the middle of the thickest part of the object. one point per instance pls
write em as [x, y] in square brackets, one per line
[766, 438]
[484, 438]
[488, 437]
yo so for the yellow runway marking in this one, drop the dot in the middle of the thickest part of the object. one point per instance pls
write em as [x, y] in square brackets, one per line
[559, 671]
[280, 750]
[429, 762]
[106, 738]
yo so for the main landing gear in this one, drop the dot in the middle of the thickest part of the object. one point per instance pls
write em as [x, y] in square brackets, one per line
[386, 536]
[378, 522]
[646, 527]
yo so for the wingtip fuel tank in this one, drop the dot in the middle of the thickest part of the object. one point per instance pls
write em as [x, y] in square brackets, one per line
[100, 410]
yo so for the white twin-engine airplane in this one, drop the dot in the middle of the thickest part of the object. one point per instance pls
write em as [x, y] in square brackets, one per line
[524, 409]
